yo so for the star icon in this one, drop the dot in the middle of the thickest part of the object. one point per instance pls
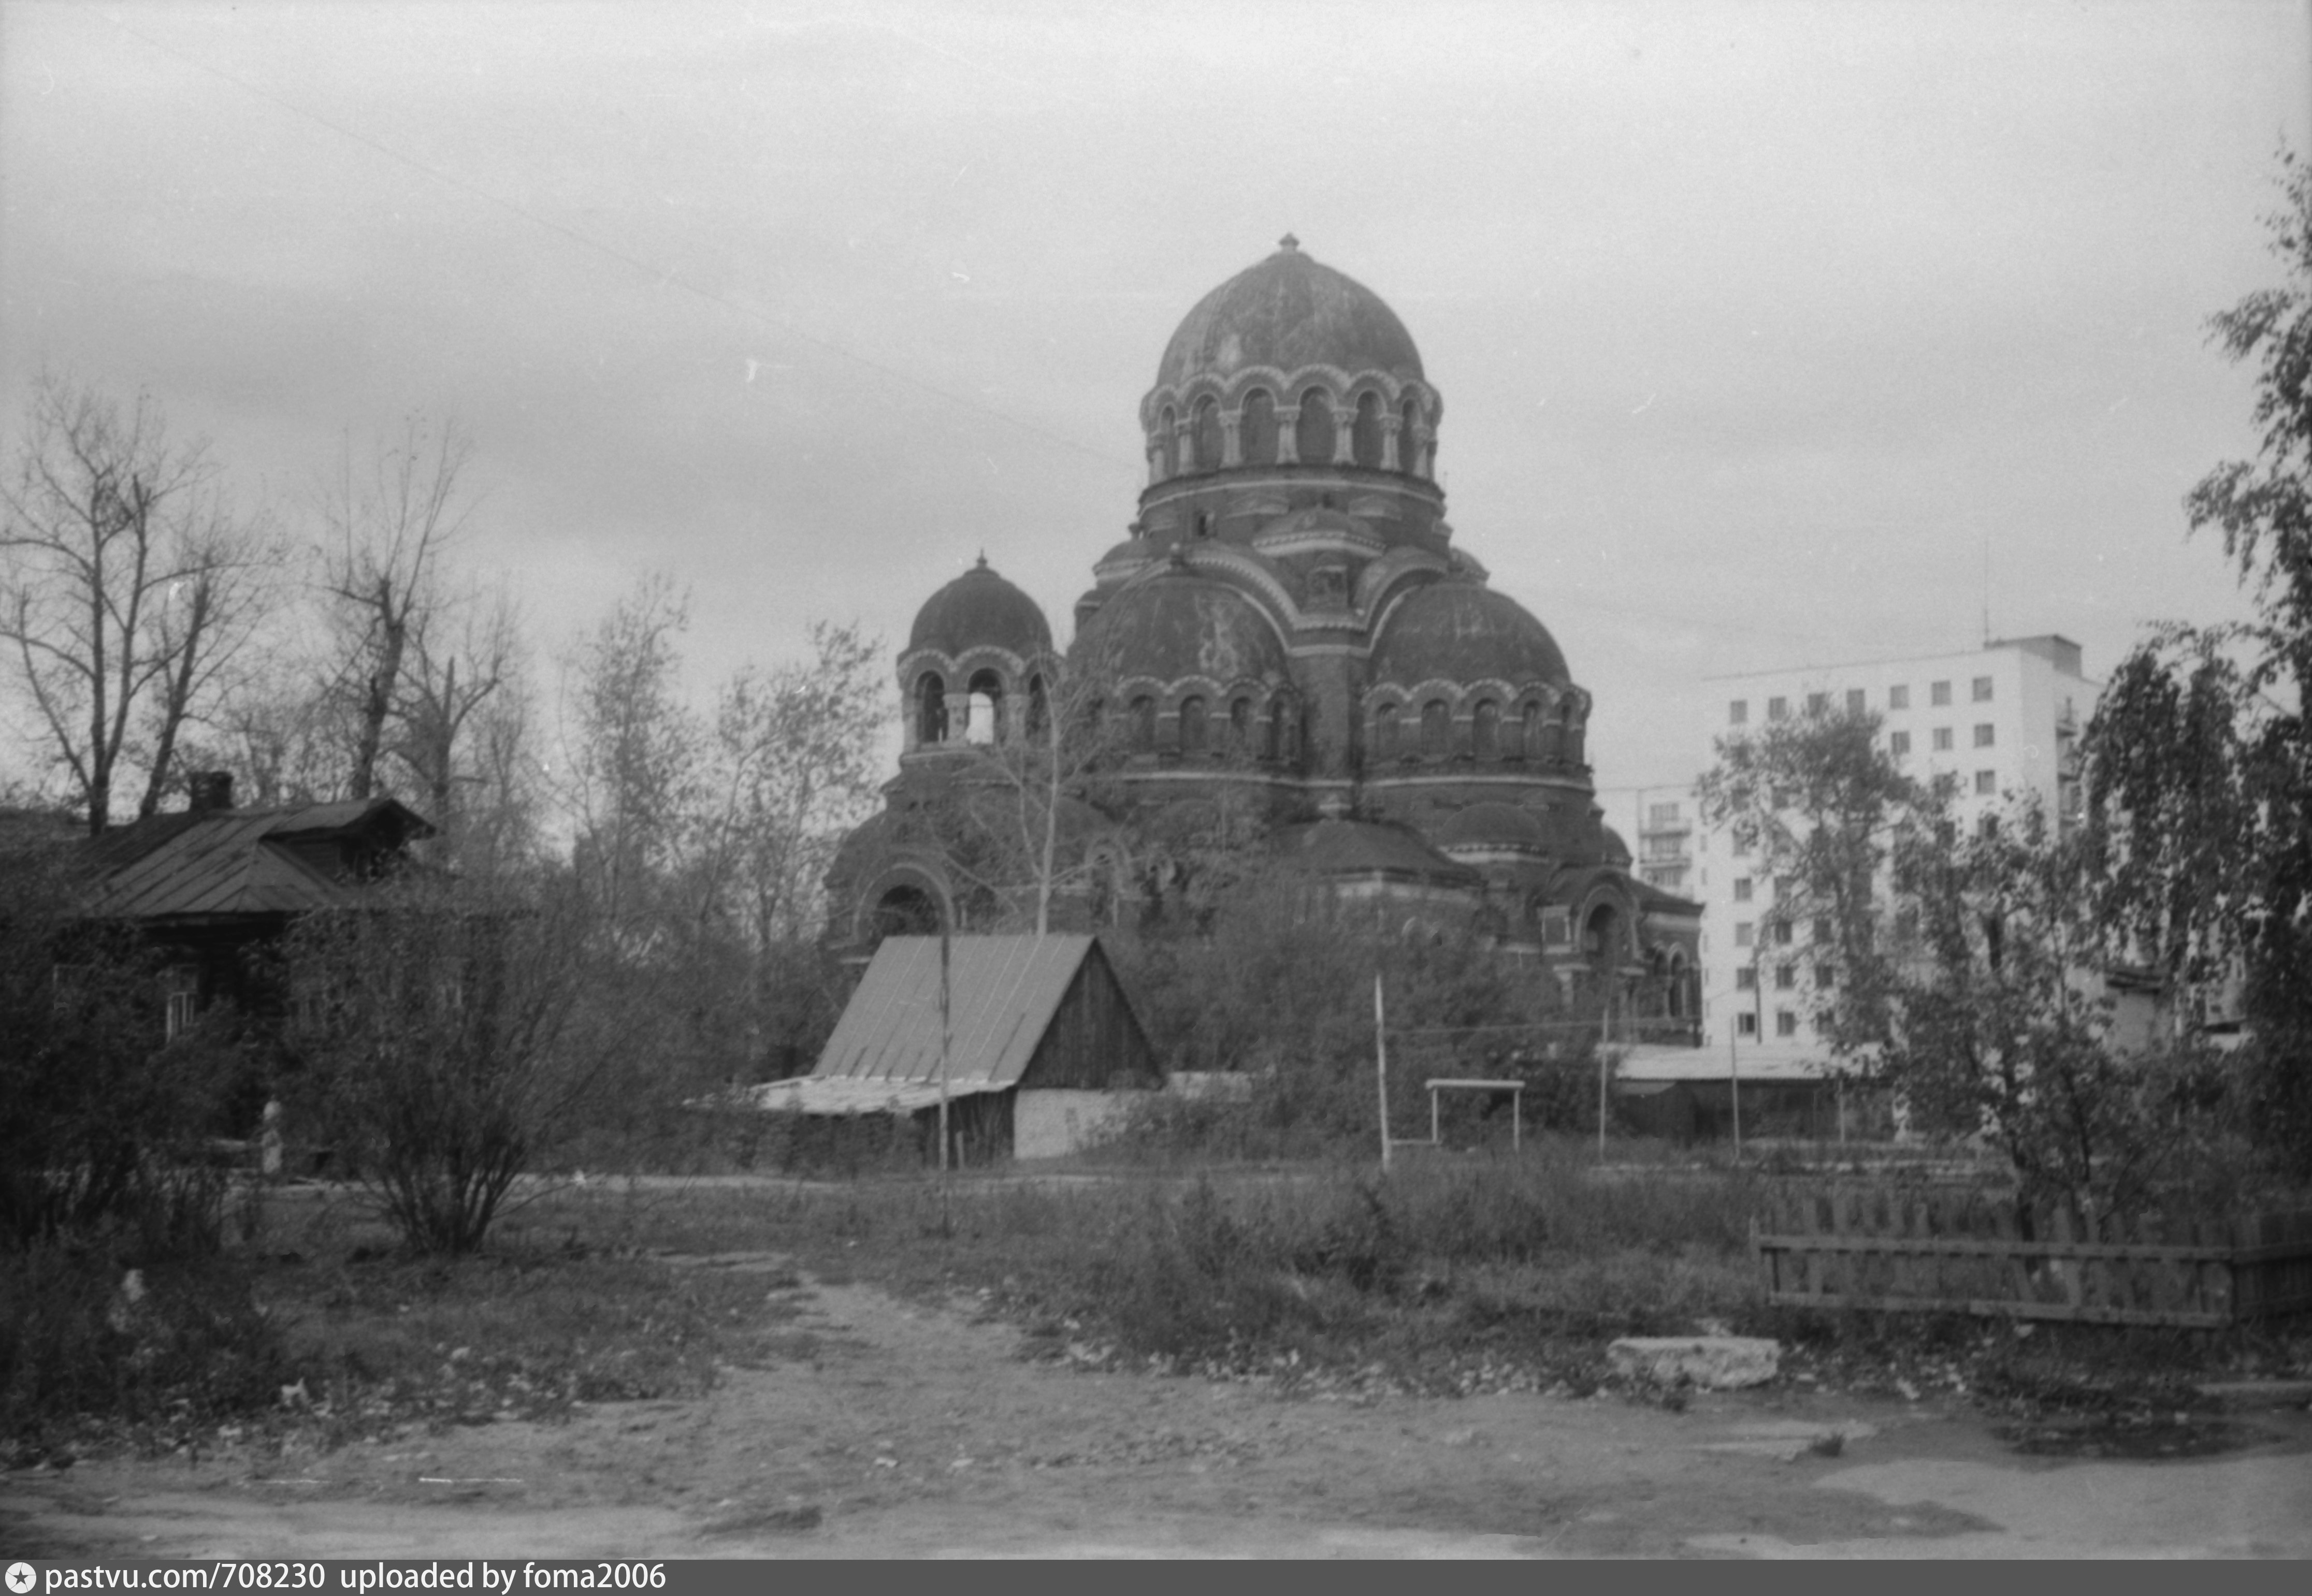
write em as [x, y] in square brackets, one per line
[21, 1578]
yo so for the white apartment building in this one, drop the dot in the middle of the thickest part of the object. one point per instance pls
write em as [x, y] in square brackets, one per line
[2001, 720]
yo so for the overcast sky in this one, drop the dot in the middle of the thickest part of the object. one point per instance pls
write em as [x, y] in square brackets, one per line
[1755, 323]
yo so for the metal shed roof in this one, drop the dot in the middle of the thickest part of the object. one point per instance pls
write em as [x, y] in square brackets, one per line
[1004, 991]
[232, 861]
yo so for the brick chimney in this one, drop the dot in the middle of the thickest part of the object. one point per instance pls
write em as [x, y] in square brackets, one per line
[212, 791]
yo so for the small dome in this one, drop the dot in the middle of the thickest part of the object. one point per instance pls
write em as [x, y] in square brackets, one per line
[1458, 632]
[1616, 851]
[1482, 826]
[1289, 312]
[1175, 625]
[1123, 560]
[979, 609]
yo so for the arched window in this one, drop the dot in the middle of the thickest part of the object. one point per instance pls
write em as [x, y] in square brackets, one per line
[1239, 725]
[1569, 736]
[1601, 935]
[982, 712]
[1530, 731]
[1409, 439]
[1312, 434]
[907, 911]
[1196, 734]
[1436, 729]
[1485, 731]
[1384, 733]
[1039, 709]
[1168, 440]
[1144, 725]
[1208, 435]
[1272, 742]
[1364, 432]
[931, 709]
[1256, 431]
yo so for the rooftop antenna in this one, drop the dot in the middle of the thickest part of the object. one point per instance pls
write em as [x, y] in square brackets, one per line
[1986, 589]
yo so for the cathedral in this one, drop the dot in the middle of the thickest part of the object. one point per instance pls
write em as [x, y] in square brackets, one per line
[1288, 647]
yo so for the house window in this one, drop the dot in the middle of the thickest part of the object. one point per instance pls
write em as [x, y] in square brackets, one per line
[1746, 978]
[183, 1004]
[1898, 698]
[1746, 1024]
[1786, 976]
[1737, 713]
[1744, 931]
[1786, 1024]
[1741, 889]
[1984, 734]
[1778, 709]
[1899, 743]
[1938, 695]
[1983, 689]
[1817, 704]
[1986, 782]
[1855, 702]
[1942, 739]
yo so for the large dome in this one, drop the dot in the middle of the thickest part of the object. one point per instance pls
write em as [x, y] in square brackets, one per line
[1175, 625]
[1458, 632]
[979, 609]
[1289, 312]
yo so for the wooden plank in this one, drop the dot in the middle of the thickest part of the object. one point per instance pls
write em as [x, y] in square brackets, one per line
[1983, 1308]
[1966, 1246]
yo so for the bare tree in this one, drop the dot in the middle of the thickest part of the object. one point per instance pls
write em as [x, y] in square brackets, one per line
[128, 587]
[387, 533]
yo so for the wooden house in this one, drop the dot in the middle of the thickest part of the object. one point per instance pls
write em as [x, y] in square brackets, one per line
[1041, 1044]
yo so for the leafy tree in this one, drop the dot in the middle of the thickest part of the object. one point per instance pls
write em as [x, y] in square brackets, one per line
[2200, 754]
[1819, 803]
[128, 587]
[2001, 1022]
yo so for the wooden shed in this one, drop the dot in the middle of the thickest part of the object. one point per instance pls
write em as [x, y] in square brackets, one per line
[1043, 1046]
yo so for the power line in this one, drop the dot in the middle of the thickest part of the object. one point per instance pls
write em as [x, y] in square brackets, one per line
[660, 275]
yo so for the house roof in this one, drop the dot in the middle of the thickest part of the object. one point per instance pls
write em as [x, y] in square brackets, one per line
[201, 863]
[1004, 992]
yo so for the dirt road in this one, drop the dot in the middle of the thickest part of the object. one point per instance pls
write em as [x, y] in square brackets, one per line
[901, 1430]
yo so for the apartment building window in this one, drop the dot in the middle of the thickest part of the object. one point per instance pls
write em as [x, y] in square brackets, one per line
[1856, 701]
[1786, 976]
[1746, 1024]
[1778, 709]
[1899, 743]
[1986, 782]
[1817, 704]
[1746, 978]
[1984, 734]
[1782, 933]
[1741, 889]
[1786, 1024]
[1938, 693]
[1662, 814]
[1744, 931]
[1983, 689]
[1822, 929]
[1898, 698]
[1737, 713]
[1942, 739]
[1826, 976]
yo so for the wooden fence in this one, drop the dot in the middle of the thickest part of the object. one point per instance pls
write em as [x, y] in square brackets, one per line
[1910, 1251]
